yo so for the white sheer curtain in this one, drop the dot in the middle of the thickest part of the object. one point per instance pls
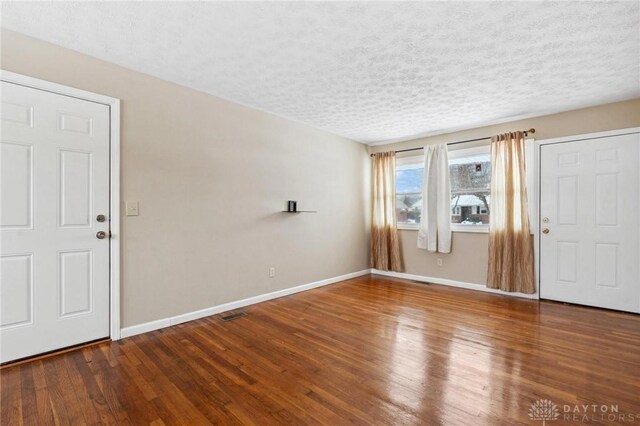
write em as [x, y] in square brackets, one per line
[435, 226]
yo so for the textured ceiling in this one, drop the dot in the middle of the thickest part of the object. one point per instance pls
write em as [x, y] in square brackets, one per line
[368, 71]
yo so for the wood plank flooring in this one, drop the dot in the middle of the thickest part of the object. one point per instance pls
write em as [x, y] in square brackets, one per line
[370, 350]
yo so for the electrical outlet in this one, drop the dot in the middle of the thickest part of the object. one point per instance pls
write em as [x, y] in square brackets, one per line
[272, 272]
[439, 261]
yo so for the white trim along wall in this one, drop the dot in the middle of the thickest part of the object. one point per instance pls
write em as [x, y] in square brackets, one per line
[190, 316]
[114, 179]
[452, 283]
[214, 310]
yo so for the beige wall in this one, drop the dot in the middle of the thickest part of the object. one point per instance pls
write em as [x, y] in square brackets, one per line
[211, 177]
[468, 260]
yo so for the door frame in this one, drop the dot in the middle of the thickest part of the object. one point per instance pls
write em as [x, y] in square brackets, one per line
[536, 193]
[114, 179]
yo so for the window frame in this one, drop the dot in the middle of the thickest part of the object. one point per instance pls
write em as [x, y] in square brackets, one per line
[462, 153]
[403, 161]
[457, 153]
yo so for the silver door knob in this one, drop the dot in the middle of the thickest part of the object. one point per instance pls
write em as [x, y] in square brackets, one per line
[101, 235]
[545, 231]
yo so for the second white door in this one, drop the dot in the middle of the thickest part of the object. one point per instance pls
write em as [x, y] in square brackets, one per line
[590, 222]
[54, 271]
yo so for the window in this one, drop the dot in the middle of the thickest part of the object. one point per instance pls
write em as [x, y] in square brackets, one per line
[409, 172]
[470, 174]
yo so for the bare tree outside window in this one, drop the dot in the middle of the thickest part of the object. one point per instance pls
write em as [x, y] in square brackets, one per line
[470, 189]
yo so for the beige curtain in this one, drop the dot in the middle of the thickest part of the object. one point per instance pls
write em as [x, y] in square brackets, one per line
[510, 242]
[385, 246]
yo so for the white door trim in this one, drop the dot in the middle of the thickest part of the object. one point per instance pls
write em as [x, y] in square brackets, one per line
[588, 136]
[538, 187]
[114, 179]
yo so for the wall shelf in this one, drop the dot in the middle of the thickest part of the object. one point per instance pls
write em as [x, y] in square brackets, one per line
[300, 211]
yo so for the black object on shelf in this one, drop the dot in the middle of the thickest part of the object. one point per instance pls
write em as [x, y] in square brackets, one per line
[292, 207]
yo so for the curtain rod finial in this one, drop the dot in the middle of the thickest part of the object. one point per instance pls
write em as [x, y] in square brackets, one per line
[531, 130]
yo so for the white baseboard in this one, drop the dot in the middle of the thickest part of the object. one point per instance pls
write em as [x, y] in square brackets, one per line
[190, 316]
[452, 283]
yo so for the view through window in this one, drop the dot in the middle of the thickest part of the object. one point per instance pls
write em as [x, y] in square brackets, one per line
[409, 191]
[470, 176]
[470, 189]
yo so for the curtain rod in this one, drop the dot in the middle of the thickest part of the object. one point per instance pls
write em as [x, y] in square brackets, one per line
[526, 133]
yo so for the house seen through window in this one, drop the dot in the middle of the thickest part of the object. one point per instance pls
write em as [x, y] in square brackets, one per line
[470, 177]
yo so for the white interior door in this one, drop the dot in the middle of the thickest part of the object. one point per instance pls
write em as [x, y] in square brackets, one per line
[54, 270]
[590, 205]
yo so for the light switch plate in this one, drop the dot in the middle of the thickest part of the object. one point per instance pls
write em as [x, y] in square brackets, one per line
[132, 208]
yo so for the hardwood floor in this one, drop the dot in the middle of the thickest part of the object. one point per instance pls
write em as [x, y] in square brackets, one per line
[371, 350]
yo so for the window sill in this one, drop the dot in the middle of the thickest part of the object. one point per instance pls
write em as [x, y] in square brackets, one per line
[471, 229]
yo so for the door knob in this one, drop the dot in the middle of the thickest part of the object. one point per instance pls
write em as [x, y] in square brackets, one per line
[101, 235]
[545, 231]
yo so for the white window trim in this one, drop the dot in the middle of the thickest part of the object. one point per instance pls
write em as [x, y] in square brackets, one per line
[473, 229]
[532, 160]
[403, 161]
[408, 227]
[458, 153]
[468, 152]
[455, 227]
[413, 159]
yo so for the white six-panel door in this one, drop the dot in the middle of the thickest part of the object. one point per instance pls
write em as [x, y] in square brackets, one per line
[590, 222]
[54, 271]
